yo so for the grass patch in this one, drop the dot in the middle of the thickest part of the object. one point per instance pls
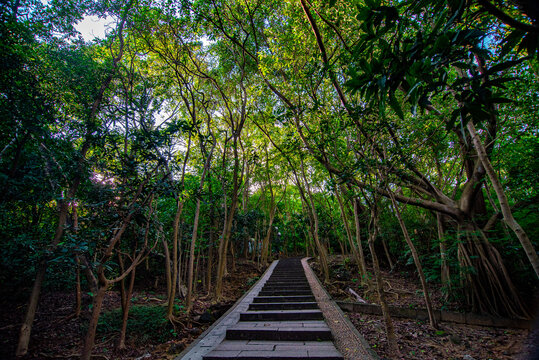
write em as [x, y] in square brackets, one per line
[146, 323]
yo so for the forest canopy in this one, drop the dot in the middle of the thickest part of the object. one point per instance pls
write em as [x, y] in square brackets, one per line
[197, 132]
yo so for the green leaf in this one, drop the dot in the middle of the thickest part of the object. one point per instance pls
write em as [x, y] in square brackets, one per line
[504, 66]
[501, 100]
[396, 106]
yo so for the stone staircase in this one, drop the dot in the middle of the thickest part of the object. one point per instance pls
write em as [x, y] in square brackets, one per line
[282, 322]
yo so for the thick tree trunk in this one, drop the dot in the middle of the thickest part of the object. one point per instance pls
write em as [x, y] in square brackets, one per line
[530, 251]
[26, 328]
[92, 326]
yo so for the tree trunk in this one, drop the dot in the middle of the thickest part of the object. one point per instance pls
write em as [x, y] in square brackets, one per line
[390, 330]
[353, 247]
[126, 302]
[189, 301]
[444, 267]
[362, 264]
[417, 262]
[92, 326]
[321, 249]
[386, 251]
[175, 262]
[168, 272]
[502, 198]
[26, 328]
[195, 230]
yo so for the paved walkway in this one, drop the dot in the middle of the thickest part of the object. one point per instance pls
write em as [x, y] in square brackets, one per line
[279, 318]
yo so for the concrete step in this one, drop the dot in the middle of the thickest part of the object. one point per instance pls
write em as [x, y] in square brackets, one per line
[284, 292]
[281, 299]
[281, 350]
[290, 287]
[284, 306]
[275, 333]
[281, 315]
[281, 284]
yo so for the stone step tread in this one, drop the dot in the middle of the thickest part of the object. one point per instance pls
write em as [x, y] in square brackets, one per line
[243, 349]
[281, 288]
[281, 315]
[279, 334]
[284, 292]
[280, 324]
[291, 354]
[282, 298]
[283, 306]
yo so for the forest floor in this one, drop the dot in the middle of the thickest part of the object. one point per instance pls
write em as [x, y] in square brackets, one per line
[150, 336]
[416, 339]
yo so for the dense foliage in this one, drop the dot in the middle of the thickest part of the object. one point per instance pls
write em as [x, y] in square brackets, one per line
[198, 132]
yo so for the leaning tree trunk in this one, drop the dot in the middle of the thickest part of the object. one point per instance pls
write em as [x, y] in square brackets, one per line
[444, 267]
[224, 243]
[390, 330]
[417, 262]
[362, 264]
[126, 304]
[195, 231]
[92, 326]
[353, 248]
[321, 249]
[502, 198]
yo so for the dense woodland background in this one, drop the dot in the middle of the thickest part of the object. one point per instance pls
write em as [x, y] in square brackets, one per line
[400, 133]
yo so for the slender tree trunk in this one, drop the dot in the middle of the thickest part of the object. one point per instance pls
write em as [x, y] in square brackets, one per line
[362, 264]
[232, 256]
[432, 318]
[266, 241]
[126, 301]
[209, 269]
[78, 290]
[321, 249]
[195, 230]
[390, 330]
[224, 243]
[353, 247]
[168, 272]
[530, 251]
[189, 300]
[388, 255]
[444, 267]
[175, 262]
